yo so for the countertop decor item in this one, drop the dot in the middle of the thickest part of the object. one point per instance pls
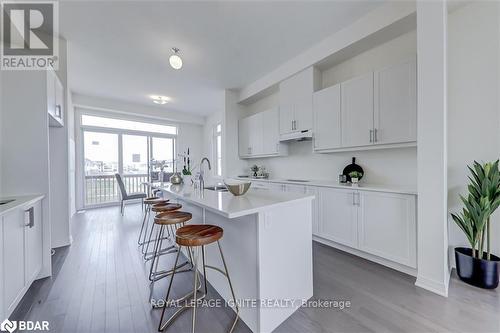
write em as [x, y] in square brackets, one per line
[254, 168]
[355, 177]
[353, 167]
[237, 188]
[474, 265]
[176, 178]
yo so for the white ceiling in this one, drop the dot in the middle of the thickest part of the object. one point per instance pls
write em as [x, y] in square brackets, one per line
[120, 50]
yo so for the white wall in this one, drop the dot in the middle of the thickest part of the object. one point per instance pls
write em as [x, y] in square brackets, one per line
[191, 136]
[474, 109]
[388, 166]
[208, 149]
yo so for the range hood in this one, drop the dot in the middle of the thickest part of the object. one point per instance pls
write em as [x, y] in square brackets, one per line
[297, 136]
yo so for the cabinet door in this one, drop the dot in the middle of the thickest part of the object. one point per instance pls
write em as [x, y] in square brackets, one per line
[387, 226]
[338, 216]
[13, 258]
[33, 243]
[303, 112]
[396, 103]
[255, 134]
[243, 137]
[327, 130]
[357, 111]
[270, 132]
[287, 100]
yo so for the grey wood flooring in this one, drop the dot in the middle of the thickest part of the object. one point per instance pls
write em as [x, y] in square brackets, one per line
[100, 285]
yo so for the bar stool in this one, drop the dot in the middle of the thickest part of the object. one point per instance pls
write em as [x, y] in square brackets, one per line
[148, 202]
[167, 220]
[194, 237]
[159, 208]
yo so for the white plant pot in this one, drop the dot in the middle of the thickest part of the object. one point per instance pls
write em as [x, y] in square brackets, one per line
[354, 181]
[188, 180]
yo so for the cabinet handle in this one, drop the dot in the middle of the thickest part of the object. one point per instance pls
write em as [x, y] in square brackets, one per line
[31, 221]
[371, 136]
[58, 110]
[375, 139]
[353, 199]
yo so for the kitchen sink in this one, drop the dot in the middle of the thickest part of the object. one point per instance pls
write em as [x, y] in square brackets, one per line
[218, 188]
[297, 180]
[3, 202]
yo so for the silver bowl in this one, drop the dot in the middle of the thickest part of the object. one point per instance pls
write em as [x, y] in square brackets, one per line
[238, 188]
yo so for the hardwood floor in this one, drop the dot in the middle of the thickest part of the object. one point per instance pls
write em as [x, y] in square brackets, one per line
[100, 285]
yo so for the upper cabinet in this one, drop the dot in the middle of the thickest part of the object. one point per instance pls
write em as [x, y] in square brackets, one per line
[357, 111]
[395, 102]
[258, 135]
[327, 128]
[55, 100]
[295, 97]
[378, 109]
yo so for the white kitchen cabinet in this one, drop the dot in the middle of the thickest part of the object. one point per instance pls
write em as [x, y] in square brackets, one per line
[327, 119]
[258, 135]
[21, 261]
[55, 100]
[395, 113]
[311, 190]
[338, 215]
[357, 111]
[387, 226]
[295, 97]
[33, 241]
[13, 259]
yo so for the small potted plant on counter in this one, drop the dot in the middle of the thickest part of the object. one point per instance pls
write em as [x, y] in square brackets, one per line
[254, 168]
[474, 265]
[355, 176]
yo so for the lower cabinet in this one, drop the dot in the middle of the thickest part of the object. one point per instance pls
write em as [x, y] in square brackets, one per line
[387, 226]
[379, 223]
[21, 255]
[339, 216]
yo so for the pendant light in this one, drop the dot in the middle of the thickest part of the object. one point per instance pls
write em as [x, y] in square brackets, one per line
[175, 60]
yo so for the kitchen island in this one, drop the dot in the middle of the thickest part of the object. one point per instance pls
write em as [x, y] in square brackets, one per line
[267, 243]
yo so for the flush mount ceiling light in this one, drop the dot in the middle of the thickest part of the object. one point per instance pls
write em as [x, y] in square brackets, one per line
[160, 99]
[175, 60]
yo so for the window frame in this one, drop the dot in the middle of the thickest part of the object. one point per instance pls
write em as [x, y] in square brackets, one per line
[216, 134]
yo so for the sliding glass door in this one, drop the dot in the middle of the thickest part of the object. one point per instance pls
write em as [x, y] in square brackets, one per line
[137, 158]
[101, 163]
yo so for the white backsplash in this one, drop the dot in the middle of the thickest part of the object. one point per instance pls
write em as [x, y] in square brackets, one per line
[396, 166]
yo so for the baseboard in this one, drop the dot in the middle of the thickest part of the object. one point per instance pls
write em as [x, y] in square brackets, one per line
[440, 288]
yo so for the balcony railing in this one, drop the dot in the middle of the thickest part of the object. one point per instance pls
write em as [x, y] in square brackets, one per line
[103, 189]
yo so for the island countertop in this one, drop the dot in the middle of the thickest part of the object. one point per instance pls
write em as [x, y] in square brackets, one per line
[228, 205]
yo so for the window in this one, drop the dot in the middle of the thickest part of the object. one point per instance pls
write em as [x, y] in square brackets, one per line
[217, 144]
[96, 121]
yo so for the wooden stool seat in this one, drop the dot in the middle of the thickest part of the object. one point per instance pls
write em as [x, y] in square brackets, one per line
[167, 207]
[155, 200]
[198, 234]
[167, 218]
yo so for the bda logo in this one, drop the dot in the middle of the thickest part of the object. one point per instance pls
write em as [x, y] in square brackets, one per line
[9, 326]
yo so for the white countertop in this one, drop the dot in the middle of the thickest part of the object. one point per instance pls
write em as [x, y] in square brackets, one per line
[230, 206]
[335, 184]
[19, 201]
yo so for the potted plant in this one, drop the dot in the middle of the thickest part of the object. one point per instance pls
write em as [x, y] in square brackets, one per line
[187, 170]
[355, 176]
[475, 265]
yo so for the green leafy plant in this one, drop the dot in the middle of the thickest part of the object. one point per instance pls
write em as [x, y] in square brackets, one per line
[481, 202]
[355, 174]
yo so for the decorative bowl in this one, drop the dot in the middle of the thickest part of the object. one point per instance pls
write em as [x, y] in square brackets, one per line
[237, 188]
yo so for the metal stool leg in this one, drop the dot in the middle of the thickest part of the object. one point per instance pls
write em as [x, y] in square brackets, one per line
[142, 226]
[231, 287]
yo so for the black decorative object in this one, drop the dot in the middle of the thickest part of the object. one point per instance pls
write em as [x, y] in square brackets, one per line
[477, 272]
[353, 167]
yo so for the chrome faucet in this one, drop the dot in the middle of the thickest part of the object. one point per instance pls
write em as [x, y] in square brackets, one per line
[200, 178]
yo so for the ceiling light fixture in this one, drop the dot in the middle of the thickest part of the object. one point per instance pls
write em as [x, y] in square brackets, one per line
[160, 99]
[175, 60]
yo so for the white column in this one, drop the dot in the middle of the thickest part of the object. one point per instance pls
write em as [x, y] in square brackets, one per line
[433, 272]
